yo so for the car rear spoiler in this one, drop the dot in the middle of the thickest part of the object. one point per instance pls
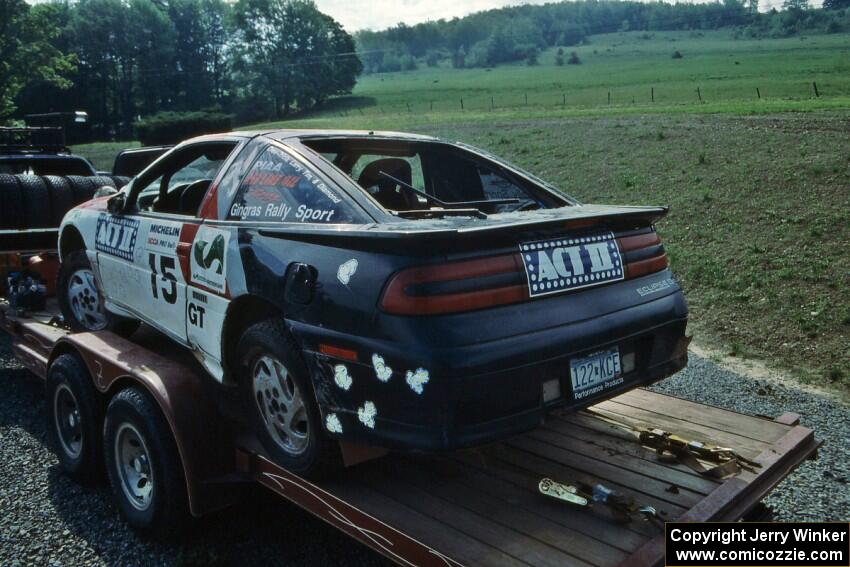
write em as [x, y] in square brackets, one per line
[451, 228]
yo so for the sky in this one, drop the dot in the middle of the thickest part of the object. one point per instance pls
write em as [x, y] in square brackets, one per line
[355, 15]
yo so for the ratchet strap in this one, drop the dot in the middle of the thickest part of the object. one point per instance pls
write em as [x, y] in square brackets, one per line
[622, 508]
[671, 448]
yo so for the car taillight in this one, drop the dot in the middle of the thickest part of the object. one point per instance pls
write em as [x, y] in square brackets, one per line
[642, 252]
[457, 286]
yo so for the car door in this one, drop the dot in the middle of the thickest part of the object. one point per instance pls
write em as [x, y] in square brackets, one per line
[148, 278]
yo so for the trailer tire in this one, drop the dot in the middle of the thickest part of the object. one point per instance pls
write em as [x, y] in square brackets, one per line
[311, 455]
[74, 418]
[84, 310]
[144, 466]
[61, 197]
[12, 211]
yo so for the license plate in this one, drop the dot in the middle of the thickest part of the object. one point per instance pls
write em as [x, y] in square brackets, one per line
[595, 373]
[562, 264]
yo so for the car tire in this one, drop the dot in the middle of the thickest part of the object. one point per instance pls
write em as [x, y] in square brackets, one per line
[82, 188]
[74, 419]
[12, 211]
[143, 465]
[272, 379]
[36, 200]
[119, 181]
[61, 197]
[81, 300]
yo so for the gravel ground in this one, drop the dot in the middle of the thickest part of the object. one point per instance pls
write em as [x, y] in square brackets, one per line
[48, 520]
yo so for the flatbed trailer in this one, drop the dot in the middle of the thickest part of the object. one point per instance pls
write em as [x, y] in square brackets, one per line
[472, 507]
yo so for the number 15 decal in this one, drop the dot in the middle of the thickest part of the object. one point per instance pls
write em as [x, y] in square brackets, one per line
[163, 279]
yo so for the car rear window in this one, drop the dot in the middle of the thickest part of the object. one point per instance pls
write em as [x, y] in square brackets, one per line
[279, 188]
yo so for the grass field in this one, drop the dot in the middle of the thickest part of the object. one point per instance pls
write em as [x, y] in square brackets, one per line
[759, 231]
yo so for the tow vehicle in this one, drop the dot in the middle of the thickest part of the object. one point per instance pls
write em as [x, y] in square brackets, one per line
[143, 410]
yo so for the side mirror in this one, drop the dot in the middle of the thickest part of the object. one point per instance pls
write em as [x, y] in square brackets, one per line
[115, 205]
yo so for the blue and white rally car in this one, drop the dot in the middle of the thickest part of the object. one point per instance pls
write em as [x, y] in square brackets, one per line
[379, 288]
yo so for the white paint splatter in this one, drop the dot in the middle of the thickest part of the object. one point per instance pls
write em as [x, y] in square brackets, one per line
[342, 377]
[367, 414]
[417, 379]
[383, 371]
[333, 424]
[346, 271]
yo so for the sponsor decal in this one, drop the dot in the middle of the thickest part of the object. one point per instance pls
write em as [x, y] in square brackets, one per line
[416, 380]
[208, 259]
[655, 287]
[366, 414]
[562, 264]
[332, 423]
[116, 236]
[163, 237]
[342, 377]
[272, 211]
[306, 214]
[382, 371]
[196, 310]
[346, 270]
[273, 166]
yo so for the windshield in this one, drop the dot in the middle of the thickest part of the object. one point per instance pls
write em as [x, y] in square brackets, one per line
[407, 176]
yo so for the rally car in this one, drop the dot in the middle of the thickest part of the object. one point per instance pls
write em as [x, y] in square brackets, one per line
[385, 289]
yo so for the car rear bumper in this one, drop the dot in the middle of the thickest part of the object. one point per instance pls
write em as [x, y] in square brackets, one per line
[487, 391]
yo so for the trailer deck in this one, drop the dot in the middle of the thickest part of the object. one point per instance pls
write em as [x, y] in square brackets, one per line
[473, 507]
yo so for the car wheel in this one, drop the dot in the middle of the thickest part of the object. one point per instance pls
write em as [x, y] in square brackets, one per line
[143, 465]
[82, 188]
[61, 197]
[82, 302]
[278, 396]
[74, 419]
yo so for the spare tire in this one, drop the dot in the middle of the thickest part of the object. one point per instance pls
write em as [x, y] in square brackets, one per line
[61, 196]
[102, 181]
[36, 210]
[120, 181]
[82, 188]
[11, 203]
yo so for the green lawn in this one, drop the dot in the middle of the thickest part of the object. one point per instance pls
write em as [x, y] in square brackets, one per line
[759, 231]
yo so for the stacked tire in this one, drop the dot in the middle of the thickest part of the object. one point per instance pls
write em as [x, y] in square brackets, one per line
[34, 201]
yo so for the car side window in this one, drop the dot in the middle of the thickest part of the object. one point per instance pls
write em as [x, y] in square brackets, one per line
[279, 188]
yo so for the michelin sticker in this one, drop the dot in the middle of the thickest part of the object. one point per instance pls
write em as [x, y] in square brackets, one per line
[383, 371]
[163, 237]
[346, 270]
[342, 377]
[366, 414]
[208, 258]
[416, 380]
[116, 236]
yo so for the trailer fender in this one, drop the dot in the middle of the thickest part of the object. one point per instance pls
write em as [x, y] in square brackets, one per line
[204, 442]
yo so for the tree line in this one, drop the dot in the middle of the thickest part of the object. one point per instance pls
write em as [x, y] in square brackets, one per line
[120, 60]
[514, 33]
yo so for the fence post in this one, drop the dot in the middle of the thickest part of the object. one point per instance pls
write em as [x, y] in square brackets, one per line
[461, 103]
[609, 97]
[564, 95]
[526, 99]
[699, 95]
[758, 93]
[652, 94]
[815, 85]
[492, 103]
[432, 105]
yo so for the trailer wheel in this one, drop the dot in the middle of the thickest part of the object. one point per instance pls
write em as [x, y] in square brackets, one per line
[82, 302]
[278, 396]
[74, 418]
[143, 465]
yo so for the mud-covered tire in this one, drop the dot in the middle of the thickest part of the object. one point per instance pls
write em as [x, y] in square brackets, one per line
[12, 209]
[269, 339]
[74, 266]
[82, 188]
[151, 497]
[61, 196]
[36, 200]
[74, 419]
